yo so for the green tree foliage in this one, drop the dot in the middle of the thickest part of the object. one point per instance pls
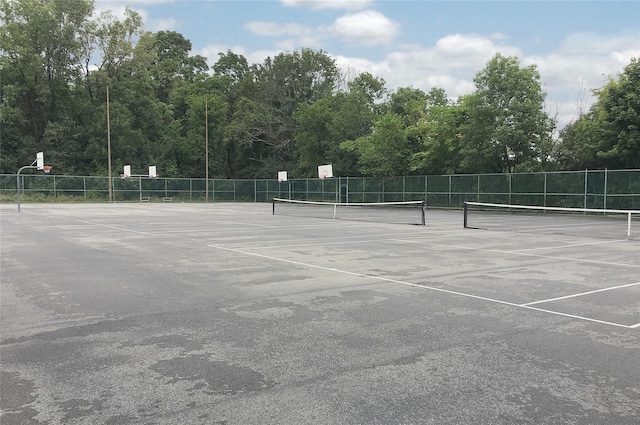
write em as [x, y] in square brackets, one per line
[325, 124]
[506, 119]
[290, 112]
[439, 136]
[608, 136]
[384, 152]
[621, 102]
[267, 120]
[40, 46]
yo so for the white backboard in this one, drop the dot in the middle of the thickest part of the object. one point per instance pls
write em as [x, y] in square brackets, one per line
[325, 171]
[282, 176]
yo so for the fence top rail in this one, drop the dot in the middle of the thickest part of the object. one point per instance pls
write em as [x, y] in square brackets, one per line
[386, 177]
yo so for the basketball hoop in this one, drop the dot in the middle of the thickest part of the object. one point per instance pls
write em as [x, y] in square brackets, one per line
[46, 169]
[123, 176]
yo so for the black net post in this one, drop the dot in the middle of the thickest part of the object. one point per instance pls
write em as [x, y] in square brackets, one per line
[273, 207]
[465, 215]
[423, 220]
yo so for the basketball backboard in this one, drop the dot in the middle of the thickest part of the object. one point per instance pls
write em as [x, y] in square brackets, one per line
[325, 171]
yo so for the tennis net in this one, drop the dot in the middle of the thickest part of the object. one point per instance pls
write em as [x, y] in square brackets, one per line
[599, 223]
[407, 212]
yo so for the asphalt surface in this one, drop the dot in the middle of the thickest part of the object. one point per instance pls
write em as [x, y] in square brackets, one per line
[226, 314]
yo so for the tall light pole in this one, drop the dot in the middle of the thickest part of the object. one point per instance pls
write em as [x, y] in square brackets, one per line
[206, 147]
[109, 146]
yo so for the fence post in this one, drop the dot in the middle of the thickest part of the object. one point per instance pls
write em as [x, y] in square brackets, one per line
[586, 187]
[544, 196]
[606, 175]
[403, 187]
[426, 193]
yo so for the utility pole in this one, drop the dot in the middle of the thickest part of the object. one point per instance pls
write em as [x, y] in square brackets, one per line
[206, 147]
[109, 146]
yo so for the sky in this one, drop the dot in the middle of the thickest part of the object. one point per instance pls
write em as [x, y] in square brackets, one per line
[576, 46]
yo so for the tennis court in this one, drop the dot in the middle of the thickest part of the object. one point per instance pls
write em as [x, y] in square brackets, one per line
[228, 314]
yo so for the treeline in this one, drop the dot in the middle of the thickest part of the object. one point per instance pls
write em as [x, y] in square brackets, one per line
[292, 112]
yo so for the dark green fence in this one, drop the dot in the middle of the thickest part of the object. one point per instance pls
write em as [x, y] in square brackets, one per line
[613, 189]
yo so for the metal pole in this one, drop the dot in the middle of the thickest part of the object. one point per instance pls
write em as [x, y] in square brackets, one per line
[18, 180]
[465, 215]
[206, 149]
[109, 146]
[544, 198]
[586, 186]
[606, 174]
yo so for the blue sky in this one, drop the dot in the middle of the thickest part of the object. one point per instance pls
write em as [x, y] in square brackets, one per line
[576, 45]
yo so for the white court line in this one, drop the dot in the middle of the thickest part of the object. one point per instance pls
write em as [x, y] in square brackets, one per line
[338, 240]
[553, 257]
[416, 285]
[569, 245]
[116, 228]
[581, 294]
[239, 223]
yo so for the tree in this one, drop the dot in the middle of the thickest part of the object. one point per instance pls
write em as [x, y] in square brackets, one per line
[386, 151]
[267, 120]
[621, 106]
[323, 126]
[40, 45]
[608, 136]
[409, 103]
[440, 140]
[506, 121]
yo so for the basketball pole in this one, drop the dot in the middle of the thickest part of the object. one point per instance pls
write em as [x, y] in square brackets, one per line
[26, 167]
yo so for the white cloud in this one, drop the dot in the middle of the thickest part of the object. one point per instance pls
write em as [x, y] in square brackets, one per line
[155, 25]
[118, 8]
[368, 28]
[274, 29]
[329, 4]
[450, 64]
[582, 63]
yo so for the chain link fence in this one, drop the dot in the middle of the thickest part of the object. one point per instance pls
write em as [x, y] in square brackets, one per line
[613, 189]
